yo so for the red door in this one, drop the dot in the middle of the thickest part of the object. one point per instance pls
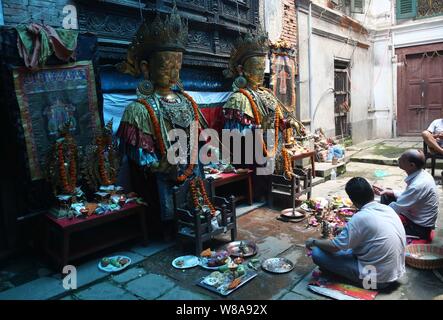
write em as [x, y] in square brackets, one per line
[420, 88]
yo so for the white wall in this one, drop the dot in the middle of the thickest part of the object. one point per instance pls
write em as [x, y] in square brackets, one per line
[418, 32]
[273, 18]
[384, 86]
[324, 51]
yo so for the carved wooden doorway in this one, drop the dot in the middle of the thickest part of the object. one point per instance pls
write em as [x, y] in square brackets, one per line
[420, 88]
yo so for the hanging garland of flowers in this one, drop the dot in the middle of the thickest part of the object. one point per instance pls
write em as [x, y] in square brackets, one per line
[287, 164]
[194, 152]
[158, 136]
[198, 188]
[106, 180]
[277, 117]
[68, 186]
[156, 125]
[288, 133]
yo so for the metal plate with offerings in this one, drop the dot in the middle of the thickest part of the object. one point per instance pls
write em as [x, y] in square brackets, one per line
[212, 260]
[225, 283]
[296, 214]
[185, 262]
[243, 248]
[114, 264]
[278, 265]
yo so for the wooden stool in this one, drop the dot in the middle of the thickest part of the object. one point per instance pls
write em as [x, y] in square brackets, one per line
[194, 225]
[300, 184]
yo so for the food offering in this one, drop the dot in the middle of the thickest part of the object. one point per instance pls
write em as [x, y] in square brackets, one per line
[213, 260]
[226, 282]
[114, 264]
[185, 262]
[331, 215]
[278, 265]
[242, 249]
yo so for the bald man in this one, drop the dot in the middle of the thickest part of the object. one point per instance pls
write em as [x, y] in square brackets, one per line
[433, 136]
[418, 204]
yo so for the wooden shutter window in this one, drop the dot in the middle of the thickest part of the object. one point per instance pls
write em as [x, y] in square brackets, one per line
[357, 6]
[406, 9]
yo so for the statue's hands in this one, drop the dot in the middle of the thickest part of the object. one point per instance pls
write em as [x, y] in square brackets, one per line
[268, 122]
[163, 166]
[298, 126]
[294, 124]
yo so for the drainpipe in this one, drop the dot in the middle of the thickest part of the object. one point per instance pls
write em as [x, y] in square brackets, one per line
[394, 107]
[394, 66]
[311, 106]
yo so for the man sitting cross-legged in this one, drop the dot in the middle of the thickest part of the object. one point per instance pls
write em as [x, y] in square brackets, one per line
[371, 246]
[418, 204]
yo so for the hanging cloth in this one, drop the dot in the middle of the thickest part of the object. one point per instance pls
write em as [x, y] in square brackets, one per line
[36, 43]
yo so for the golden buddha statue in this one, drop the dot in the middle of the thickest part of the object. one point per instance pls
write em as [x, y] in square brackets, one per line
[156, 53]
[253, 106]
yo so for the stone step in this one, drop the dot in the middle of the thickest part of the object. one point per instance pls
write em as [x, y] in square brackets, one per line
[317, 180]
[324, 169]
[246, 208]
[375, 160]
[389, 161]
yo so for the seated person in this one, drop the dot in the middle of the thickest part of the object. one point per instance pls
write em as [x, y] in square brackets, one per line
[433, 136]
[371, 244]
[418, 204]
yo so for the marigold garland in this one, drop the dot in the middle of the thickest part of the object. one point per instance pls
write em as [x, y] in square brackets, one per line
[105, 179]
[288, 133]
[194, 152]
[253, 105]
[277, 117]
[194, 193]
[287, 164]
[156, 125]
[68, 186]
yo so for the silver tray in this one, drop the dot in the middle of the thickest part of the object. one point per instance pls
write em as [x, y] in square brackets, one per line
[245, 279]
[233, 248]
[278, 265]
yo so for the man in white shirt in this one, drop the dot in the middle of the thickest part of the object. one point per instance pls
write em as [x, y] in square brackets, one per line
[418, 204]
[371, 246]
[433, 136]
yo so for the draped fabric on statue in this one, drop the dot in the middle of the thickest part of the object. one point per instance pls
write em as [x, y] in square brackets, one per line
[136, 135]
[209, 91]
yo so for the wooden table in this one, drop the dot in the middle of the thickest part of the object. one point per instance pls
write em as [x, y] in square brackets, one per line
[304, 155]
[228, 178]
[79, 237]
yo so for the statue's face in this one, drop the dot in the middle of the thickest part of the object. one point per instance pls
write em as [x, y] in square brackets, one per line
[254, 70]
[164, 68]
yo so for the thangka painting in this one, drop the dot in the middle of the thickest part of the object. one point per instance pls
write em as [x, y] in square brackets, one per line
[283, 79]
[50, 98]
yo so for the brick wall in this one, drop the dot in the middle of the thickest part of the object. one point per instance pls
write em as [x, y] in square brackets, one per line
[23, 11]
[289, 32]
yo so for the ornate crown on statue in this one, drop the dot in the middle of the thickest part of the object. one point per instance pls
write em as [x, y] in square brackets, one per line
[161, 34]
[249, 45]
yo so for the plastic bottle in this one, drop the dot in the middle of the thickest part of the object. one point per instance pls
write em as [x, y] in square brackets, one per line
[333, 174]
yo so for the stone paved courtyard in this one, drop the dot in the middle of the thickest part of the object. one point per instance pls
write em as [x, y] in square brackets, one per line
[152, 276]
